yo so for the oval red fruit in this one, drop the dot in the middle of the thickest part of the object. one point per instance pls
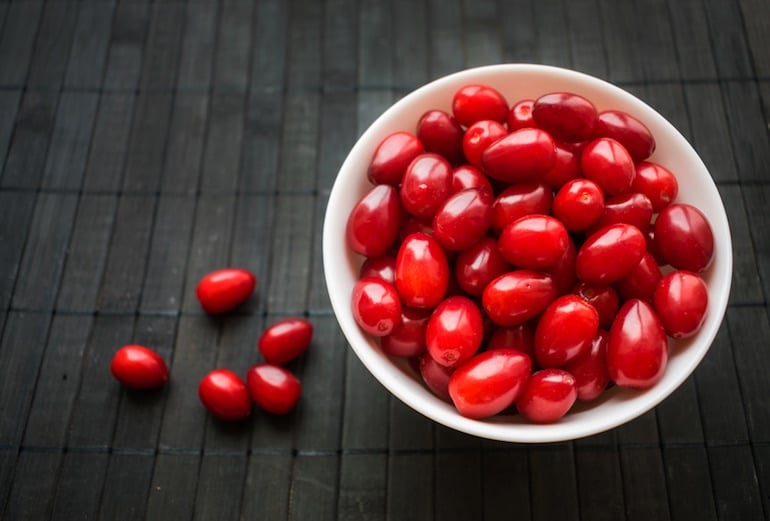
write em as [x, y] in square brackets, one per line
[637, 349]
[684, 238]
[590, 369]
[223, 290]
[472, 103]
[602, 297]
[534, 241]
[436, 377]
[285, 340]
[519, 200]
[578, 204]
[523, 155]
[607, 163]
[478, 265]
[642, 280]
[548, 395]
[392, 156]
[564, 331]
[681, 301]
[273, 388]
[455, 331]
[610, 254]
[656, 182]
[440, 133]
[374, 222]
[468, 176]
[463, 219]
[408, 338]
[517, 296]
[224, 394]
[422, 271]
[627, 130]
[139, 367]
[565, 115]
[426, 183]
[479, 137]
[376, 306]
[489, 382]
[520, 115]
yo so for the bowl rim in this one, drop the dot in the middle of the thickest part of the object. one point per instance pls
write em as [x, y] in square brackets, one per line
[392, 376]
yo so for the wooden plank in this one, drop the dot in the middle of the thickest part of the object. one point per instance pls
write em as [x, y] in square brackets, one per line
[235, 350]
[749, 332]
[186, 137]
[756, 199]
[409, 430]
[519, 38]
[693, 40]
[748, 130]
[734, 480]
[375, 33]
[761, 454]
[586, 45]
[87, 252]
[33, 485]
[689, 483]
[553, 489]
[304, 47]
[339, 45]
[314, 485]
[709, 126]
[37, 282]
[644, 483]
[371, 104]
[252, 231]
[17, 42]
[90, 43]
[363, 479]
[198, 41]
[211, 242]
[410, 52]
[104, 171]
[34, 125]
[162, 48]
[231, 63]
[620, 36]
[140, 413]
[756, 17]
[727, 32]
[454, 472]
[365, 420]
[52, 46]
[96, 405]
[184, 418]
[172, 488]
[410, 487]
[668, 99]
[299, 142]
[679, 416]
[124, 61]
[220, 487]
[8, 458]
[223, 144]
[126, 485]
[9, 106]
[68, 151]
[656, 41]
[445, 51]
[505, 475]
[450, 439]
[323, 378]
[482, 44]
[144, 160]
[167, 257]
[642, 430]
[16, 211]
[318, 297]
[269, 48]
[599, 482]
[57, 383]
[717, 384]
[552, 35]
[261, 146]
[746, 285]
[266, 489]
[336, 136]
[79, 486]
[290, 254]
[126, 260]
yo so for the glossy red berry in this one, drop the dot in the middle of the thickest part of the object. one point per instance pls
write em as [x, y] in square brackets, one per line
[548, 395]
[473, 103]
[225, 395]
[376, 306]
[223, 290]
[565, 115]
[273, 388]
[455, 331]
[392, 156]
[139, 367]
[285, 340]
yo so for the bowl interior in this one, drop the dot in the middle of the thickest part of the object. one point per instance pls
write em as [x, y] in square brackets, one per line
[519, 81]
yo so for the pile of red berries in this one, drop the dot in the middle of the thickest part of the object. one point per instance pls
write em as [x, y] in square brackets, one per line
[524, 257]
[223, 392]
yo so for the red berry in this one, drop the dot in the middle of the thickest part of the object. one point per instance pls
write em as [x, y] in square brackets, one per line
[473, 103]
[225, 395]
[376, 306]
[285, 340]
[273, 388]
[548, 395]
[223, 290]
[392, 156]
[138, 367]
[455, 331]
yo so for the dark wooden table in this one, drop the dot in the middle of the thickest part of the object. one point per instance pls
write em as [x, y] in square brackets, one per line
[144, 144]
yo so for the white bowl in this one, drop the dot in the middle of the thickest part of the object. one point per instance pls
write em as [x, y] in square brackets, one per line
[517, 81]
